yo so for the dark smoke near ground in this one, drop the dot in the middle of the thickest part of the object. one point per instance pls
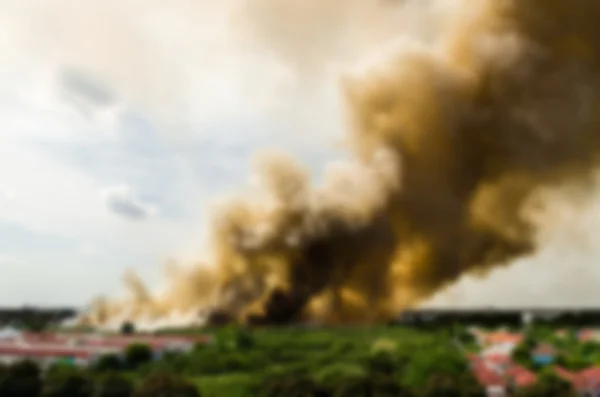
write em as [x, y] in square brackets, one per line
[454, 145]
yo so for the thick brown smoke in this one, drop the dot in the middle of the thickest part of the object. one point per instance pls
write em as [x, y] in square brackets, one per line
[453, 141]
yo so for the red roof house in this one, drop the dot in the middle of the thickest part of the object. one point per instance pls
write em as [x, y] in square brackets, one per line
[521, 376]
[496, 338]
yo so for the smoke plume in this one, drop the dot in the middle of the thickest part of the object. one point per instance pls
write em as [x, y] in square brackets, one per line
[454, 142]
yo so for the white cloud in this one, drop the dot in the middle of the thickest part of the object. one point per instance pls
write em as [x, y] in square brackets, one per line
[175, 65]
[8, 262]
[123, 201]
[8, 194]
[88, 249]
[51, 197]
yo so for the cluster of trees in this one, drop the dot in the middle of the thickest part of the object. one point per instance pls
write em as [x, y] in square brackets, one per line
[34, 319]
[548, 385]
[431, 318]
[323, 363]
[25, 379]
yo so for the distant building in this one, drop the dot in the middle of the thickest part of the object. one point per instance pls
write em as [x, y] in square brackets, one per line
[586, 382]
[588, 335]
[543, 355]
[82, 349]
[48, 355]
[504, 338]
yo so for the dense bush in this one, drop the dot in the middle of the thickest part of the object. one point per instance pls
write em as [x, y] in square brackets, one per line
[127, 328]
[137, 354]
[292, 385]
[114, 386]
[548, 385]
[522, 354]
[436, 360]
[108, 363]
[68, 383]
[166, 385]
[22, 379]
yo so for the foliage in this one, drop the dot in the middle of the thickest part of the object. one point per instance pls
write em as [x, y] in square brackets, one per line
[436, 360]
[548, 385]
[114, 386]
[127, 328]
[137, 354]
[293, 385]
[572, 361]
[22, 379]
[463, 336]
[265, 362]
[522, 354]
[108, 363]
[234, 338]
[339, 372]
[166, 385]
[68, 383]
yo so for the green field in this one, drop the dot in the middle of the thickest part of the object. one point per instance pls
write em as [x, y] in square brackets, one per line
[240, 361]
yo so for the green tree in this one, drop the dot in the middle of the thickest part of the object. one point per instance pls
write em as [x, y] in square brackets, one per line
[442, 385]
[589, 349]
[166, 385]
[22, 379]
[435, 361]
[138, 354]
[386, 358]
[387, 386]
[522, 354]
[291, 385]
[470, 386]
[463, 336]
[68, 383]
[114, 386]
[235, 338]
[548, 385]
[127, 328]
[571, 361]
[369, 385]
[108, 363]
[447, 385]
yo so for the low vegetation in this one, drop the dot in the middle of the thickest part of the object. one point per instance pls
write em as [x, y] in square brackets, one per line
[283, 362]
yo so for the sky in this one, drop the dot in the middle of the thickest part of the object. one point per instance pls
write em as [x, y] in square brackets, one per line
[120, 123]
[122, 119]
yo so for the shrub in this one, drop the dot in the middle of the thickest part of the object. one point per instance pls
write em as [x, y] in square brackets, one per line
[235, 338]
[138, 354]
[127, 328]
[166, 385]
[114, 386]
[66, 383]
[436, 360]
[108, 363]
[442, 385]
[548, 385]
[21, 379]
[25, 369]
[292, 385]
[336, 373]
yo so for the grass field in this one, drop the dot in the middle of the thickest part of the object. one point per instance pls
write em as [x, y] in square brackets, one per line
[239, 359]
